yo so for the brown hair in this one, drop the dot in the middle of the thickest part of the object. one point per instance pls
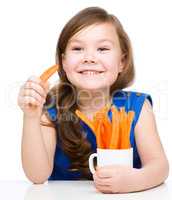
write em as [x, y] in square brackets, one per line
[69, 132]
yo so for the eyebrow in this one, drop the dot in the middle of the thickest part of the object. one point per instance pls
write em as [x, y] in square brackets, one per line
[101, 40]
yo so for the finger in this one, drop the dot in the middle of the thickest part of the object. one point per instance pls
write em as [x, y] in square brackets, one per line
[104, 172]
[46, 85]
[36, 87]
[37, 80]
[34, 94]
[34, 79]
[102, 181]
[30, 100]
[104, 189]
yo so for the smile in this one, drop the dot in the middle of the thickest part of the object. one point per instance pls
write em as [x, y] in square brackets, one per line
[90, 72]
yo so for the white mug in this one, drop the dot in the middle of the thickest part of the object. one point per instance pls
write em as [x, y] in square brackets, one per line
[111, 157]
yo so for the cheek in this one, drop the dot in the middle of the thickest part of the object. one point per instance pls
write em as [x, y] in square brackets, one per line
[69, 63]
[111, 60]
[112, 66]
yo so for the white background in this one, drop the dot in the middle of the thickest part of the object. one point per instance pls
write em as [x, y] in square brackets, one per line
[28, 37]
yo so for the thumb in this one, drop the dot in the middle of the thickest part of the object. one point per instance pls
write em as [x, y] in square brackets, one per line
[45, 85]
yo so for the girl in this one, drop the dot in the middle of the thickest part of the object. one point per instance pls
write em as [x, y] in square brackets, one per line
[96, 63]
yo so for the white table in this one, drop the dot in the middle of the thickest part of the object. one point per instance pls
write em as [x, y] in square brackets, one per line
[82, 190]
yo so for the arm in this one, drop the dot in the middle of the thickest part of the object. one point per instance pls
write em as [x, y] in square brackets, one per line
[38, 142]
[155, 167]
[38, 147]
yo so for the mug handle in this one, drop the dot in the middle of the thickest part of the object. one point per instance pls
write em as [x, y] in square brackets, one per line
[91, 165]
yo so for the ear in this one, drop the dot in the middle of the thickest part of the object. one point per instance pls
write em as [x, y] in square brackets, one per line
[121, 67]
[63, 56]
[63, 59]
[122, 63]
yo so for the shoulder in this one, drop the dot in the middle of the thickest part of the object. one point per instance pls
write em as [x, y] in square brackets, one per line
[146, 116]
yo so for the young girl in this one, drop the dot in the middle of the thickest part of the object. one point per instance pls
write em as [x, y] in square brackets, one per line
[95, 64]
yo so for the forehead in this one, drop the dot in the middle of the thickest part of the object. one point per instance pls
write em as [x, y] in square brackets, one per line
[97, 32]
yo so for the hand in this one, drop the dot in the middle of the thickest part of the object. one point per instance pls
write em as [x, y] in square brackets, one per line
[113, 179]
[32, 96]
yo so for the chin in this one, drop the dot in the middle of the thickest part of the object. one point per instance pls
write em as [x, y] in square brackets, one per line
[91, 88]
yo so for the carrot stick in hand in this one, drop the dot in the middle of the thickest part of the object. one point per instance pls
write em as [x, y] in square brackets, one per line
[46, 75]
[49, 72]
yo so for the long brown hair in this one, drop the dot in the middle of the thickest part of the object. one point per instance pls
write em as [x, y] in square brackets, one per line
[69, 131]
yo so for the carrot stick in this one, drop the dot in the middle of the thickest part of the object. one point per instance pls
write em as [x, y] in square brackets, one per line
[106, 127]
[99, 115]
[49, 72]
[96, 122]
[99, 136]
[45, 76]
[103, 135]
[126, 120]
[85, 119]
[108, 130]
[125, 135]
[99, 125]
[121, 114]
[115, 129]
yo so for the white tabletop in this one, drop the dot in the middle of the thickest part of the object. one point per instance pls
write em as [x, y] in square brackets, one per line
[82, 190]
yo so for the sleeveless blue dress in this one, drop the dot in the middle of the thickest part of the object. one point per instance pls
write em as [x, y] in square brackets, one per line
[128, 99]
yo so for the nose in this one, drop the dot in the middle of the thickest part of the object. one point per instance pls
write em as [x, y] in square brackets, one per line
[89, 57]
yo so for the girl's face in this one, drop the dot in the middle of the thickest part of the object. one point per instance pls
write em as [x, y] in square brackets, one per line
[92, 59]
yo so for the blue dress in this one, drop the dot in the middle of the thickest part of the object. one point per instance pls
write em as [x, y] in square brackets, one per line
[128, 99]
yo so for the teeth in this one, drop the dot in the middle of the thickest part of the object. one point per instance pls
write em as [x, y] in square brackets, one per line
[90, 72]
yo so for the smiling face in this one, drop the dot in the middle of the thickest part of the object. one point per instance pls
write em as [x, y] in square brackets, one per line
[92, 59]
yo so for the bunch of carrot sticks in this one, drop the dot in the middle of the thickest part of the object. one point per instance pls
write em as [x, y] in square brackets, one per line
[113, 134]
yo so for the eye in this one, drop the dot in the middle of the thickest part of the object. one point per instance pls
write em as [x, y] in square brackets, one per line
[76, 49]
[103, 49]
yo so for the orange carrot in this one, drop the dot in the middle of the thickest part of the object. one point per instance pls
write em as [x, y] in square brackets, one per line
[126, 119]
[125, 137]
[107, 130]
[100, 135]
[99, 115]
[85, 119]
[49, 72]
[115, 129]
[121, 122]
[100, 125]
[45, 76]
[106, 127]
